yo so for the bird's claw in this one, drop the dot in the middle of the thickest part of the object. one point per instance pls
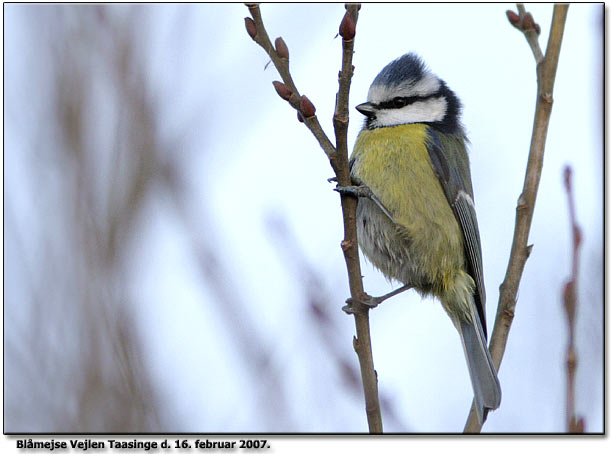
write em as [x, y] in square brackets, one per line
[354, 306]
[354, 191]
[370, 302]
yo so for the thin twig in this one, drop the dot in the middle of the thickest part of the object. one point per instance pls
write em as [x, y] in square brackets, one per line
[282, 65]
[520, 250]
[531, 34]
[362, 341]
[574, 424]
[338, 157]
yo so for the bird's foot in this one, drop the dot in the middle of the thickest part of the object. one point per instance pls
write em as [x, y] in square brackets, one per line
[355, 191]
[353, 305]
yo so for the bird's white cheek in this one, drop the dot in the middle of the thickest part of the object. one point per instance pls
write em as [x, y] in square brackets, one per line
[419, 112]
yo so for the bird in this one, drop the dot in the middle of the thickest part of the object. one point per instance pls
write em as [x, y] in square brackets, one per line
[416, 219]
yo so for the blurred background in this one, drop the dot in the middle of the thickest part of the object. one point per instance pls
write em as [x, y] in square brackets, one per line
[172, 258]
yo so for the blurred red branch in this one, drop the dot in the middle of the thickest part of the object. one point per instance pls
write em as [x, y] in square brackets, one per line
[574, 424]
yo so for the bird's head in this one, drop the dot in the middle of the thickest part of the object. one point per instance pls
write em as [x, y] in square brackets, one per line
[405, 91]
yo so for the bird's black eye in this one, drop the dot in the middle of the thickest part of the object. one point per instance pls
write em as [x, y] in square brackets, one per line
[399, 102]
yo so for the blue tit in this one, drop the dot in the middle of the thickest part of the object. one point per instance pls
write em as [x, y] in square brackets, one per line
[418, 224]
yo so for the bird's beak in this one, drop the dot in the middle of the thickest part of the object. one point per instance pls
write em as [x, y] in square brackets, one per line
[366, 109]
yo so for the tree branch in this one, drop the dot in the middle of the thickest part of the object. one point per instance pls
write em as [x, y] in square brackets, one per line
[520, 250]
[280, 60]
[531, 32]
[573, 423]
[338, 157]
[340, 164]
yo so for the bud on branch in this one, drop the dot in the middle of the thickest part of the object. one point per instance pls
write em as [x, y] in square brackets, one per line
[251, 28]
[528, 23]
[524, 23]
[514, 19]
[306, 107]
[347, 27]
[282, 90]
[281, 49]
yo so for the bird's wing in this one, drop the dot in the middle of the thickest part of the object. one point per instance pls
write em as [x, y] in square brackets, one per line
[456, 183]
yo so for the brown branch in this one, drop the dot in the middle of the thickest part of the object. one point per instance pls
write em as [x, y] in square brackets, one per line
[574, 424]
[259, 35]
[520, 250]
[362, 341]
[531, 32]
[320, 306]
[338, 157]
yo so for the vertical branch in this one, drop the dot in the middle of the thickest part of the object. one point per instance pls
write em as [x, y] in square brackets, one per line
[362, 341]
[338, 157]
[574, 424]
[339, 160]
[520, 250]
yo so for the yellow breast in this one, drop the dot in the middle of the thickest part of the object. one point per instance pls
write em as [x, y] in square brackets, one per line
[394, 163]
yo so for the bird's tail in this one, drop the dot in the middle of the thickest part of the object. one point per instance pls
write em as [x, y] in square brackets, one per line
[486, 386]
